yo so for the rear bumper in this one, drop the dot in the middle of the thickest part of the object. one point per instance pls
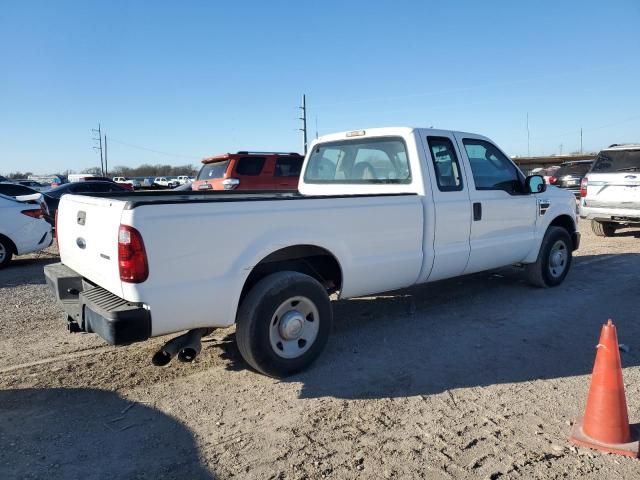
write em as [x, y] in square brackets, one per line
[93, 309]
[609, 214]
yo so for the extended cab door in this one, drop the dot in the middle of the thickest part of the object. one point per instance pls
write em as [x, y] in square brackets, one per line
[503, 215]
[452, 205]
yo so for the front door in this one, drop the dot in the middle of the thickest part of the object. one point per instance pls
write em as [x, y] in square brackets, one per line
[503, 215]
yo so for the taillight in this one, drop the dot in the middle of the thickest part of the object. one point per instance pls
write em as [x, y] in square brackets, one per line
[583, 187]
[35, 213]
[553, 180]
[230, 183]
[132, 257]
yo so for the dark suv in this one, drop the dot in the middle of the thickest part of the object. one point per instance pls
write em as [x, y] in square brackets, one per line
[570, 174]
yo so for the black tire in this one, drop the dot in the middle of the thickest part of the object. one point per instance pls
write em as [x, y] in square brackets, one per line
[6, 252]
[543, 273]
[257, 310]
[603, 229]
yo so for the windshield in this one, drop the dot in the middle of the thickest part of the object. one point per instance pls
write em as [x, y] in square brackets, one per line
[371, 160]
[576, 169]
[609, 161]
[213, 170]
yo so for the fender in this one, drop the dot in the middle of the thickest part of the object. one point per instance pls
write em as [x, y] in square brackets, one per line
[552, 208]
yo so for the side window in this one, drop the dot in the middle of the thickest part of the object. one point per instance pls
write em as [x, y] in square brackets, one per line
[491, 169]
[288, 166]
[445, 163]
[250, 166]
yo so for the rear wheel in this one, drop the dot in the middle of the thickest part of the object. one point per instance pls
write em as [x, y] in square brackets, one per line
[283, 323]
[6, 252]
[554, 259]
[603, 229]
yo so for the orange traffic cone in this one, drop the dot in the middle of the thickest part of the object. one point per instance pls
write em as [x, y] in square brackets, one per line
[605, 425]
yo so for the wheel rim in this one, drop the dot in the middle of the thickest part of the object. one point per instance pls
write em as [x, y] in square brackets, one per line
[558, 258]
[3, 252]
[294, 327]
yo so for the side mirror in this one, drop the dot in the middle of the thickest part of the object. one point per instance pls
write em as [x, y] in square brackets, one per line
[535, 184]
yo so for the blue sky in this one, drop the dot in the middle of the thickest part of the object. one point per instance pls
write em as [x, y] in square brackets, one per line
[195, 78]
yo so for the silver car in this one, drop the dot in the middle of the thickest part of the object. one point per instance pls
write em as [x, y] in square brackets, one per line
[610, 192]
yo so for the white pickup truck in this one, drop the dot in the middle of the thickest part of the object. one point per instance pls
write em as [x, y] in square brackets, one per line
[377, 210]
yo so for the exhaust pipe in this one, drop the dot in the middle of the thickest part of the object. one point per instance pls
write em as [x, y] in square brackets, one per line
[186, 346]
[193, 345]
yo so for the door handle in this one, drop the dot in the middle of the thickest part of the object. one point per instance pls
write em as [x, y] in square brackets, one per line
[477, 211]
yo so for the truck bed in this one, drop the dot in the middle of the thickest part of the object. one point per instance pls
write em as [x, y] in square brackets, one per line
[200, 247]
[167, 197]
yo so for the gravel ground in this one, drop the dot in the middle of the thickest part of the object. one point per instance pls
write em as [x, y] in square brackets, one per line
[477, 377]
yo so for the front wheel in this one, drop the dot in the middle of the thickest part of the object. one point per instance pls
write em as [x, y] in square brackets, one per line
[554, 259]
[283, 323]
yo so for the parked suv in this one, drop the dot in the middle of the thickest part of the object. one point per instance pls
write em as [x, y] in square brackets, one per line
[610, 193]
[250, 171]
[570, 174]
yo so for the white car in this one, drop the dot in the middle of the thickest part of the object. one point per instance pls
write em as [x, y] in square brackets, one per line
[22, 229]
[377, 210]
[182, 179]
[129, 181]
[165, 182]
[610, 192]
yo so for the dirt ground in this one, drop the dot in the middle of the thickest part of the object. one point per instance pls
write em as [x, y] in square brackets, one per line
[478, 377]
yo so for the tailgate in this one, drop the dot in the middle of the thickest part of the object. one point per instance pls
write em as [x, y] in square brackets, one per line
[88, 238]
[613, 190]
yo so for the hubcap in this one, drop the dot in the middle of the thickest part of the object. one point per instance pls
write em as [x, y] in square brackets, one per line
[558, 259]
[3, 252]
[294, 327]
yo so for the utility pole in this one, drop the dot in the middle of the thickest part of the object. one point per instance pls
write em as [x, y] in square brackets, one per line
[304, 123]
[580, 140]
[528, 137]
[316, 127]
[106, 168]
[99, 147]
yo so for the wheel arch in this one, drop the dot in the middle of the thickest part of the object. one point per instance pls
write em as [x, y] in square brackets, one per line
[565, 221]
[12, 246]
[309, 259]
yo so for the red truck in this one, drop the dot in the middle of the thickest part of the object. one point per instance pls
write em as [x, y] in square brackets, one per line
[250, 171]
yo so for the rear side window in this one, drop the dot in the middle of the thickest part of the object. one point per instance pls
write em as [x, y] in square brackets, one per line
[578, 169]
[610, 161]
[372, 160]
[250, 166]
[288, 166]
[445, 163]
[213, 170]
